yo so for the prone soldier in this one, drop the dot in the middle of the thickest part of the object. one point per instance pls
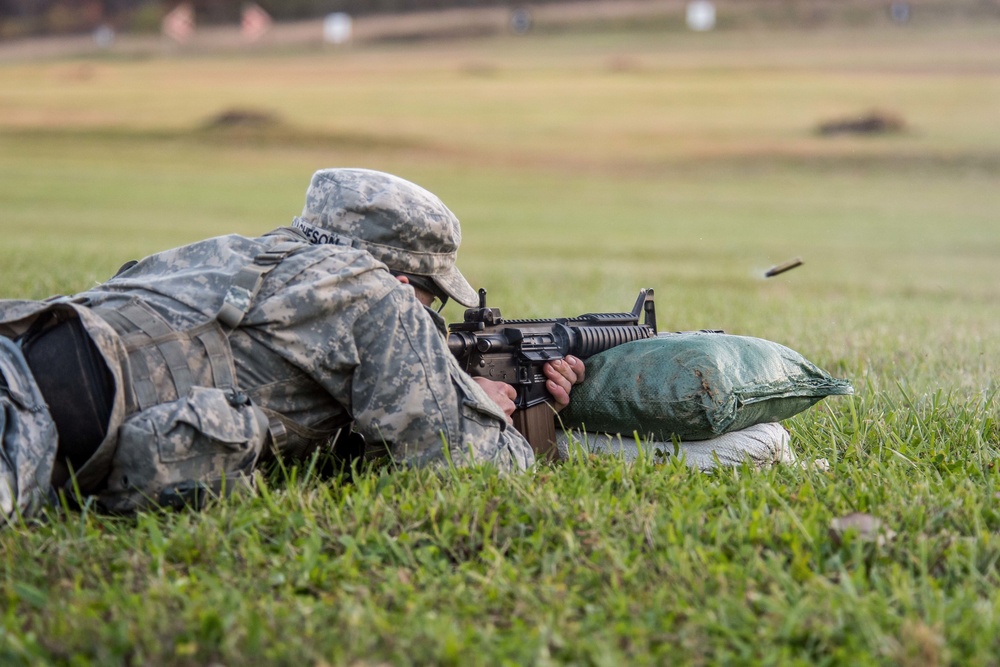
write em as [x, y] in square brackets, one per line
[188, 368]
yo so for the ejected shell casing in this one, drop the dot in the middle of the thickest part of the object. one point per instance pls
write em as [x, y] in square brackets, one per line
[781, 268]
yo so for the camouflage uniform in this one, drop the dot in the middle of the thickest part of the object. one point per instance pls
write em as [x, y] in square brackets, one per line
[230, 347]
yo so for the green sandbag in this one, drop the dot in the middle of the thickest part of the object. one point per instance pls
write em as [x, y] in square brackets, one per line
[696, 386]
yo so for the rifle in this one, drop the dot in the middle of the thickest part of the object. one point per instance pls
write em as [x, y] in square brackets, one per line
[514, 351]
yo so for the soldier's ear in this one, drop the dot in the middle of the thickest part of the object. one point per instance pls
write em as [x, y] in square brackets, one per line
[403, 279]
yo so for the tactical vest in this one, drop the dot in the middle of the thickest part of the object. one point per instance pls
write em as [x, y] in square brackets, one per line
[189, 429]
[180, 427]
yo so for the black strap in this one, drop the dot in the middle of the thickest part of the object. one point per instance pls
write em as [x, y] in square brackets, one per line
[248, 281]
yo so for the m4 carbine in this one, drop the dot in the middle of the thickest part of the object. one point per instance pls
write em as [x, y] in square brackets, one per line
[514, 351]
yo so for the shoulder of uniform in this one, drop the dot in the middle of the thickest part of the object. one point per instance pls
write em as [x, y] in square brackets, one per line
[287, 234]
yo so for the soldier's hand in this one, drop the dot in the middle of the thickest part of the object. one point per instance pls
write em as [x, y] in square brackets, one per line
[500, 393]
[562, 374]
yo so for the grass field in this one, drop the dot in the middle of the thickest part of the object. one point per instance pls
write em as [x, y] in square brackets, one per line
[583, 166]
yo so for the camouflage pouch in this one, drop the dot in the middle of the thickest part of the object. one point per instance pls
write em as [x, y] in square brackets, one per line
[181, 452]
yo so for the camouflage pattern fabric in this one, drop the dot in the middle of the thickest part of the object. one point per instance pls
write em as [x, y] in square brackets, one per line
[331, 338]
[397, 222]
[205, 440]
[27, 436]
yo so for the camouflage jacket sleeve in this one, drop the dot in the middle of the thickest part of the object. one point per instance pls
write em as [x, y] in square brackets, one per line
[409, 392]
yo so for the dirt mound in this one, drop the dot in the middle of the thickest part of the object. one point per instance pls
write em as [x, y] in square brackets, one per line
[244, 118]
[873, 122]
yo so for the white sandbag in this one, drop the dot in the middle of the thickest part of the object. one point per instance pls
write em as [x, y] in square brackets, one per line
[760, 445]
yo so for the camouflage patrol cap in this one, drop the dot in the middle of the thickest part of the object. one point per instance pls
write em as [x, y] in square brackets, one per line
[398, 222]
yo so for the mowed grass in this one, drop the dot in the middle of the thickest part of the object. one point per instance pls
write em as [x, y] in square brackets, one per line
[583, 167]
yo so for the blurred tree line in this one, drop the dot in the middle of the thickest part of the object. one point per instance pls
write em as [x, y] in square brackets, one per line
[19, 18]
[33, 17]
